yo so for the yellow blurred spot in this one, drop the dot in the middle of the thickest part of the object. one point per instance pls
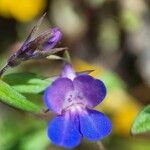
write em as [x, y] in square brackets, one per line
[123, 109]
[4, 8]
[21, 10]
[114, 100]
[124, 118]
[81, 65]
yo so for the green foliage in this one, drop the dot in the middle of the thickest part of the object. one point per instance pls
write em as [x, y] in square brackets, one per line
[21, 131]
[130, 20]
[8, 136]
[27, 82]
[10, 96]
[10, 130]
[142, 122]
[37, 140]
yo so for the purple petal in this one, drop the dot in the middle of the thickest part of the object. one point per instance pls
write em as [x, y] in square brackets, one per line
[94, 125]
[91, 90]
[68, 72]
[55, 94]
[63, 131]
[54, 39]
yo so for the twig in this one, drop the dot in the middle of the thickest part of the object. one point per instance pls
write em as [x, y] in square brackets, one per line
[3, 70]
[100, 145]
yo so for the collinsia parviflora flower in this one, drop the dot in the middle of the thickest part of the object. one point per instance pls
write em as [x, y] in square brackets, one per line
[35, 48]
[72, 97]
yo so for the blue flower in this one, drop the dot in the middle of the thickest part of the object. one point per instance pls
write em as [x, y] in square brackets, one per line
[72, 98]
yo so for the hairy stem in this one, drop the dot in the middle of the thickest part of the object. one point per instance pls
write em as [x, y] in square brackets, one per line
[3, 69]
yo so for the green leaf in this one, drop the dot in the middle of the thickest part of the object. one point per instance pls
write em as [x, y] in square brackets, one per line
[11, 97]
[142, 122]
[20, 78]
[27, 82]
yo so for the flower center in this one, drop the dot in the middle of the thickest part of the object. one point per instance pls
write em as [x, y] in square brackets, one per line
[75, 109]
[74, 102]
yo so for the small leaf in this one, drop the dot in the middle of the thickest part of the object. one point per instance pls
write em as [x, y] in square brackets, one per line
[67, 56]
[27, 82]
[55, 57]
[142, 122]
[11, 97]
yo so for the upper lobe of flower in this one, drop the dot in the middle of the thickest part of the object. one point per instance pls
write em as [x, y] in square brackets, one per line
[72, 96]
[82, 89]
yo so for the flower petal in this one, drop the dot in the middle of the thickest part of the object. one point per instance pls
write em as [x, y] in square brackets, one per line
[54, 39]
[68, 72]
[94, 125]
[54, 95]
[63, 131]
[92, 90]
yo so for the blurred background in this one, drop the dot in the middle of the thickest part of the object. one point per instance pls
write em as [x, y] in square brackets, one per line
[110, 36]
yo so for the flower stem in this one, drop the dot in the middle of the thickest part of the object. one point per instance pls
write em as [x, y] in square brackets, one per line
[100, 145]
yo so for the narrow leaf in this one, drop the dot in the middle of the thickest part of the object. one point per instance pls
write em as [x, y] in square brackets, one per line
[67, 56]
[20, 78]
[142, 122]
[54, 57]
[11, 97]
[27, 82]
